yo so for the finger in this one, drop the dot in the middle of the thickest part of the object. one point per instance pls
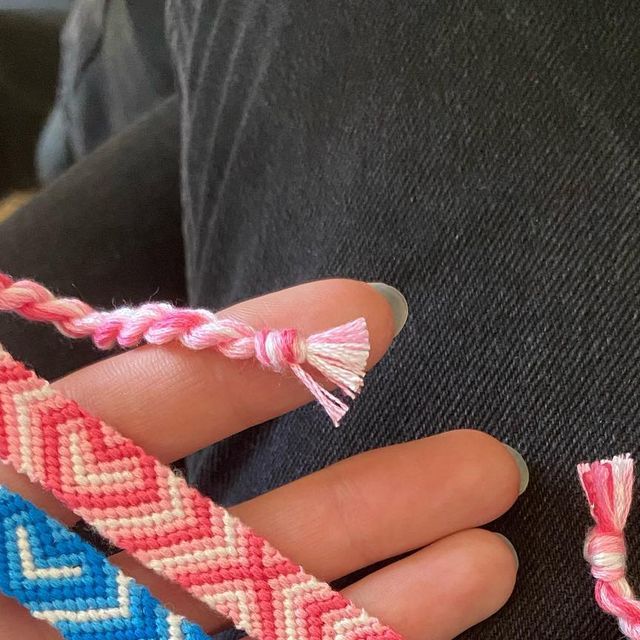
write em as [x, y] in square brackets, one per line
[152, 394]
[385, 502]
[173, 401]
[442, 590]
[437, 592]
[147, 392]
[16, 622]
[373, 506]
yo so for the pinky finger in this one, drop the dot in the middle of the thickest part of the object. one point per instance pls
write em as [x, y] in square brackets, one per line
[443, 589]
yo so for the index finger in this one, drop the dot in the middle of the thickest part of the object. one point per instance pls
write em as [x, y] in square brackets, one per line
[173, 401]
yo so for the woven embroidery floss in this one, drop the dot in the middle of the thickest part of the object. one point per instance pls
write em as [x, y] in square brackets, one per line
[141, 506]
[339, 354]
[62, 580]
[608, 485]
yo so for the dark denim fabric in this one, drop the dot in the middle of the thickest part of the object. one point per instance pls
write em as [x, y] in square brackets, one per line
[28, 65]
[482, 157]
[107, 231]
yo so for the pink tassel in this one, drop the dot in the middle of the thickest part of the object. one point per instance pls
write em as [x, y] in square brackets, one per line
[608, 485]
[339, 354]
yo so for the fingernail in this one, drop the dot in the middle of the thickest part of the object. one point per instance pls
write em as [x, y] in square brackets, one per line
[511, 547]
[397, 302]
[522, 468]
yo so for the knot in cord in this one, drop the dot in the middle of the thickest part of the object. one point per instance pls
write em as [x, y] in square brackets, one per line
[278, 349]
[607, 555]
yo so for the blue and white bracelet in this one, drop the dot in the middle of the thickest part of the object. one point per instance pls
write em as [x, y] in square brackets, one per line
[61, 579]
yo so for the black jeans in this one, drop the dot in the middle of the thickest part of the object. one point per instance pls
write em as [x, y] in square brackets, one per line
[107, 230]
[28, 61]
[482, 157]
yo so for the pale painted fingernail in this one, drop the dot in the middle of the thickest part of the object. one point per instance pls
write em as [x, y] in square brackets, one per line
[397, 302]
[511, 548]
[522, 468]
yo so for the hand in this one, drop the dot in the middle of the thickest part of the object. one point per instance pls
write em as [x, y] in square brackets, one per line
[428, 495]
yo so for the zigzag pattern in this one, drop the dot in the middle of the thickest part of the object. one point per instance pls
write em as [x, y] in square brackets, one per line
[61, 579]
[141, 506]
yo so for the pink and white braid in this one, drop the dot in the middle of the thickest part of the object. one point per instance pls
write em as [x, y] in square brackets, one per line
[339, 354]
[608, 485]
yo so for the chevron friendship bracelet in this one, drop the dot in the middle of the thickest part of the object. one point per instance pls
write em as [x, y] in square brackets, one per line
[61, 579]
[339, 354]
[141, 506]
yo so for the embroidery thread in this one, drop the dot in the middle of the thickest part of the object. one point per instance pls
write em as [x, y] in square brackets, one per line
[339, 354]
[608, 485]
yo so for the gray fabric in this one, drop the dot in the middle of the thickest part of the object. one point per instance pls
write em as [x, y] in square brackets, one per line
[106, 231]
[28, 64]
[481, 156]
[115, 66]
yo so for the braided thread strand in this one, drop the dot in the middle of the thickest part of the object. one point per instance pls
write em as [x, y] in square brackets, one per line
[608, 485]
[339, 354]
[62, 580]
[141, 506]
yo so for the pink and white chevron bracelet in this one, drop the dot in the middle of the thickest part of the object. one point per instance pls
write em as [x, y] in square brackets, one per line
[141, 506]
[339, 354]
[608, 485]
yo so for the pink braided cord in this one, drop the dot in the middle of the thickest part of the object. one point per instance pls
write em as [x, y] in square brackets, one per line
[141, 506]
[339, 354]
[608, 485]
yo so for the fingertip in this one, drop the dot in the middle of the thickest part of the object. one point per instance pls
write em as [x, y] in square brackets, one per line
[383, 311]
[443, 589]
[487, 570]
[512, 550]
[523, 469]
[487, 461]
[397, 303]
